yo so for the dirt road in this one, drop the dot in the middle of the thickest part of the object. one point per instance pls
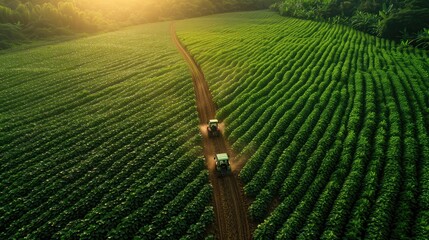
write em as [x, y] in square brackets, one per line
[229, 202]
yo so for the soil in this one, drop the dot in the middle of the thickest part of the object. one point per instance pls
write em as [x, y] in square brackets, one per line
[231, 219]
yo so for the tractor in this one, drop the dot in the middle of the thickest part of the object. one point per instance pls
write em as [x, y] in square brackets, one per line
[222, 164]
[213, 128]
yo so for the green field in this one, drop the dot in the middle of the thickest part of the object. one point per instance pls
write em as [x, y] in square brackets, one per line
[99, 137]
[334, 122]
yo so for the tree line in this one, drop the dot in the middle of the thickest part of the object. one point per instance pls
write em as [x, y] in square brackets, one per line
[22, 20]
[403, 20]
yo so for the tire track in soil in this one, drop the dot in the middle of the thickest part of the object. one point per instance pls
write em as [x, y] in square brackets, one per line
[231, 220]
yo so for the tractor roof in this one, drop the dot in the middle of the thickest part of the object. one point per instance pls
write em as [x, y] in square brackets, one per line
[213, 121]
[222, 156]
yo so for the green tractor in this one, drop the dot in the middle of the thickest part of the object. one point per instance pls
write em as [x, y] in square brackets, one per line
[222, 164]
[213, 128]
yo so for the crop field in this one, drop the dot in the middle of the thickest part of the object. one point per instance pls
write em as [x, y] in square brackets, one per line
[99, 139]
[329, 129]
[334, 123]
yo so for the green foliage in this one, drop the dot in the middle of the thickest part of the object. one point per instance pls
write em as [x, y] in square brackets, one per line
[334, 121]
[7, 15]
[98, 135]
[422, 39]
[8, 33]
[409, 21]
[305, 8]
[390, 19]
[99, 139]
[46, 18]
[365, 22]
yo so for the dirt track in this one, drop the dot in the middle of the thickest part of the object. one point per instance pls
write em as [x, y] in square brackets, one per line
[229, 203]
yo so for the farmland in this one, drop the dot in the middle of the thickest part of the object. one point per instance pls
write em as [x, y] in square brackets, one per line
[328, 129]
[99, 139]
[334, 124]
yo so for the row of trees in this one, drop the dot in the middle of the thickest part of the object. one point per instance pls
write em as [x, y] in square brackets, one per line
[406, 20]
[30, 19]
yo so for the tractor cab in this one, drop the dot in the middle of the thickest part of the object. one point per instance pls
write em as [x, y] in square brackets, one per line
[213, 128]
[222, 164]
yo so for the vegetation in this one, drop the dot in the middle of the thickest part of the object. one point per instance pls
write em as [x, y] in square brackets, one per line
[99, 139]
[393, 19]
[99, 136]
[22, 20]
[335, 122]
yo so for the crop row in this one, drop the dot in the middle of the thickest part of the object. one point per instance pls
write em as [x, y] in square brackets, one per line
[334, 123]
[100, 141]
